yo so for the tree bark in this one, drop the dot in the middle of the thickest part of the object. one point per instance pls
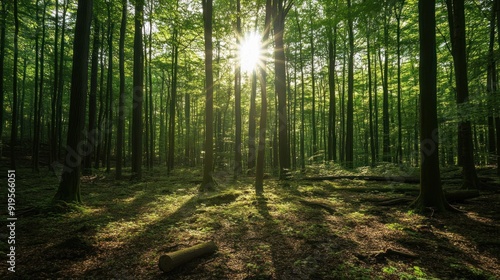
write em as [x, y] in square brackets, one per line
[456, 17]
[121, 103]
[280, 9]
[92, 130]
[208, 182]
[237, 99]
[13, 134]
[261, 150]
[69, 188]
[385, 78]
[2, 58]
[252, 155]
[431, 192]
[349, 148]
[138, 81]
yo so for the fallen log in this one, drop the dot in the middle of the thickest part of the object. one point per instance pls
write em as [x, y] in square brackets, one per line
[174, 259]
[451, 196]
[317, 204]
[460, 195]
[401, 179]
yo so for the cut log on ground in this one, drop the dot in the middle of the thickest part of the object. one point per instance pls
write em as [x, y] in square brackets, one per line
[174, 259]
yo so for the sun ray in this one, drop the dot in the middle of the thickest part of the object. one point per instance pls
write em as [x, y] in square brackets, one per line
[250, 52]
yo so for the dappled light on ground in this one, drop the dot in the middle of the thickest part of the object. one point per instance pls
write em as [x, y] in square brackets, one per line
[306, 230]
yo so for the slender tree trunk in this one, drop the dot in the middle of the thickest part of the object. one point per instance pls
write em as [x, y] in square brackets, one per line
[2, 58]
[350, 91]
[302, 100]
[261, 150]
[252, 156]
[36, 129]
[492, 87]
[208, 180]
[237, 100]
[173, 102]
[332, 53]
[13, 134]
[187, 113]
[100, 118]
[398, 11]
[53, 103]
[431, 192]
[69, 188]
[61, 82]
[497, 117]
[138, 81]
[121, 103]
[280, 9]
[109, 95]
[313, 91]
[385, 106]
[370, 99]
[457, 29]
[151, 100]
[92, 130]
[23, 97]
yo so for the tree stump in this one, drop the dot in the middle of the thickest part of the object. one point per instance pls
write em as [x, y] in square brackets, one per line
[174, 259]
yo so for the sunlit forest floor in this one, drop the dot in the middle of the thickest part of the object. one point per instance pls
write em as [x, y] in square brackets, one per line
[303, 230]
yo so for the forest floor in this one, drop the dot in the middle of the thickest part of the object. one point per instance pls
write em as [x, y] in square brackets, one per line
[303, 230]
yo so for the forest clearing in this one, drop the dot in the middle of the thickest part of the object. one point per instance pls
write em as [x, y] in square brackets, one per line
[306, 230]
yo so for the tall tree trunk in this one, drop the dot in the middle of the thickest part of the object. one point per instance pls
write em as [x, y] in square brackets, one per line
[370, 89]
[109, 95]
[497, 117]
[280, 9]
[13, 134]
[349, 153]
[173, 102]
[431, 192]
[121, 103]
[53, 103]
[138, 81]
[151, 100]
[398, 8]
[302, 100]
[332, 53]
[252, 156]
[385, 106]
[208, 180]
[101, 122]
[313, 90]
[36, 128]
[92, 132]
[69, 188]
[261, 150]
[492, 87]
[457, 29]
[237, 99]
[61, 82]
[2, 58]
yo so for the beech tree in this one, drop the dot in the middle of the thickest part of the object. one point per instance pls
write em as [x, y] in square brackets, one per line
[137, 126]
[69, 187]
[208, 182]
[431, 192]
